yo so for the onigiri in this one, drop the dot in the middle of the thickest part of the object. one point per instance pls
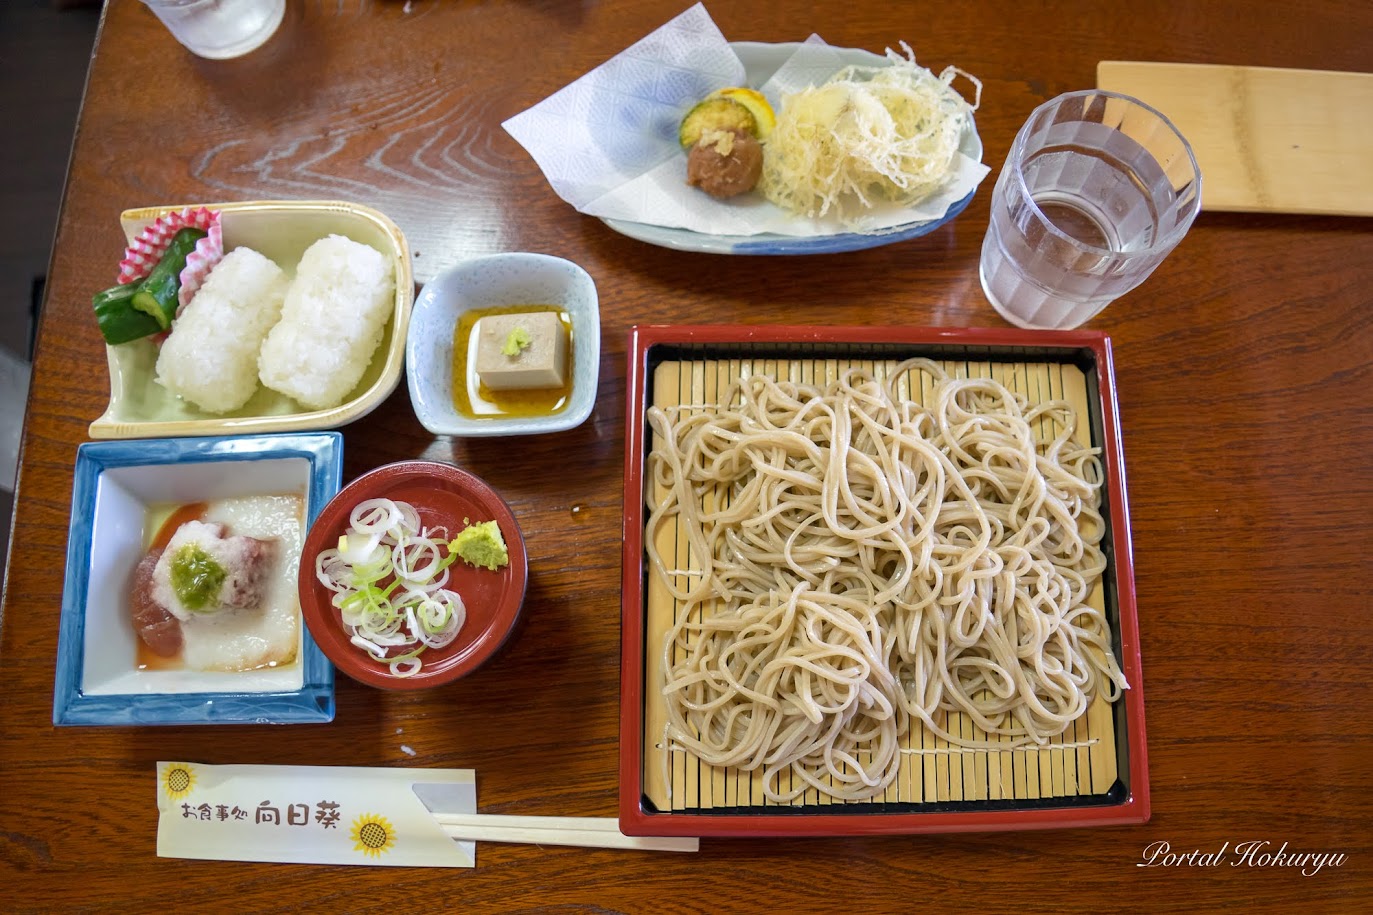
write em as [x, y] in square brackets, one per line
[332, 322]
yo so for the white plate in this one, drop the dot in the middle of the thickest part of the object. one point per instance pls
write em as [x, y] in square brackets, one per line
[760, 62]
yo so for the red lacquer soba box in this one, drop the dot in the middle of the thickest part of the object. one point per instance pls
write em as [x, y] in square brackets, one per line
[960, 777]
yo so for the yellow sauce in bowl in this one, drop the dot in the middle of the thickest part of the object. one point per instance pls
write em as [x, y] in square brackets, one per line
[475, 400]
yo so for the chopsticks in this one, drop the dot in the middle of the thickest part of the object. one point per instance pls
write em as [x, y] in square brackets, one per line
[585, 832]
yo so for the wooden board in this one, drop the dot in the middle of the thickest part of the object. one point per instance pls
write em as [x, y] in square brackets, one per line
[1082, 761]
[1266, 139]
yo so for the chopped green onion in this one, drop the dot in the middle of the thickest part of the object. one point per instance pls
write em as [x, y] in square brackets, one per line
[388, 576]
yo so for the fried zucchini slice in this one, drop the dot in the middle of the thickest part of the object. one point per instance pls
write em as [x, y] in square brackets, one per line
[756, 103]
[715, 114]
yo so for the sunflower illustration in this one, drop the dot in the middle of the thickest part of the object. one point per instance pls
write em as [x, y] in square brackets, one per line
[373, 834]
[177, 780]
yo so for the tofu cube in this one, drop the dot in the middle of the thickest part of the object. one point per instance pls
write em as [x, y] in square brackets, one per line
[541, 364]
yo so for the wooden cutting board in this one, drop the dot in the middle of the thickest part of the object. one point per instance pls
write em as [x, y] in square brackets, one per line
[1267, 139]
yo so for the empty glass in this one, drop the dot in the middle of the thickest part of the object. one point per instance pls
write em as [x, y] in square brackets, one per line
[220, 28]
[1097, 189]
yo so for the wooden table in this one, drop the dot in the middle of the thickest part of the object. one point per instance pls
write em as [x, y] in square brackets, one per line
[1245, 370]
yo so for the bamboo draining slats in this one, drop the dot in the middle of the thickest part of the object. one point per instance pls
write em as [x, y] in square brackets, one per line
[1081, 761]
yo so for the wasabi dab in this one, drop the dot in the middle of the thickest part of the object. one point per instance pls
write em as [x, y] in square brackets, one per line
[481, 545]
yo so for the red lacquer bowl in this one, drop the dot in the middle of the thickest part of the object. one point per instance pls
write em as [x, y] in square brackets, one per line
[444, 496]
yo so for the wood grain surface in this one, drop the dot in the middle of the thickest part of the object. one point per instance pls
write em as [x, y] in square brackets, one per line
[1268, 139]
[1245, 373]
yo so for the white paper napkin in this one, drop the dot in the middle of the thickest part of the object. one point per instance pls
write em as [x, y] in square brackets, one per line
[313, 814]
[620, 120]
[607, 143]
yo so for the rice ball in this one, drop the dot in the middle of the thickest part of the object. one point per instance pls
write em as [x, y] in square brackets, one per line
[332, 322]
[210, 359]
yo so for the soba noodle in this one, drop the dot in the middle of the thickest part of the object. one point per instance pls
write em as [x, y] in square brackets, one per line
[864, 564]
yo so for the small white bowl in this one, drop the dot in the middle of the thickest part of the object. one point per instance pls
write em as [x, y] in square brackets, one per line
[488, 282]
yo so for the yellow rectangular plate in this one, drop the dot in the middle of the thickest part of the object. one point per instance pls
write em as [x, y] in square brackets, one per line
[139, 407]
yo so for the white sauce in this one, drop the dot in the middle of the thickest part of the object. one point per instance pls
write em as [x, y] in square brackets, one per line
[267, 636]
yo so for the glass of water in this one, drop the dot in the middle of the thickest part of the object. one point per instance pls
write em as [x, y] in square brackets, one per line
[1097, 189]
[220, 28]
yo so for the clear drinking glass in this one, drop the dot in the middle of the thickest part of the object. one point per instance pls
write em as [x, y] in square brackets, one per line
[1097, 189]
[220, 28]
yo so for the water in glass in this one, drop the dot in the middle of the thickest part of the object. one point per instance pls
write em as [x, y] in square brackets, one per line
[220, 28]
[1094, 194]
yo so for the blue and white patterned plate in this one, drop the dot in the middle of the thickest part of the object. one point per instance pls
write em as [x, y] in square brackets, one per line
[760, 62]
[98, 679]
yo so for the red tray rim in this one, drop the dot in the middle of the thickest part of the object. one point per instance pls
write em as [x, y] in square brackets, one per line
[637, 821]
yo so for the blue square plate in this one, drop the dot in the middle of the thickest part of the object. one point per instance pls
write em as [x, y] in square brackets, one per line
[99, 681]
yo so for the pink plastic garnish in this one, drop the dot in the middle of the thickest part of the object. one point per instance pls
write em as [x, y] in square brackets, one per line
[147, 249]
